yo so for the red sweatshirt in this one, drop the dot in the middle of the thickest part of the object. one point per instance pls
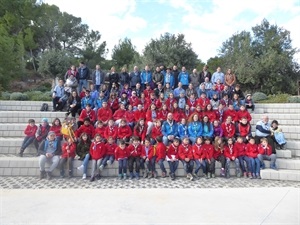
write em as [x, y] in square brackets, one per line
[185, 151]
[228, 129]
[244, 130]
[134, 150]
[134, 101]
[113, 104]
[124, 132]
[100, 130]
[161, 151]
[151, 152]
[243, 113]
[156, 131]
[251, 150]
[211, 115]
[240, 148]
[207, 151]
[97, 150]
[56, 129]
[230, 151]
[90, 130]
[129, 116]
[218, 152]
[139, 115]
[149, 116]
[197, 151]
[203, 102]
[172, 152]
[119, 114]
[110, 148]
[30, 130]
[162, 114]
[104, 114]
[141, 133]
[231, 113]
[121, 153]
[170, 102]
[111, 132]
[72, 148]
[90, 114]
[265, 150]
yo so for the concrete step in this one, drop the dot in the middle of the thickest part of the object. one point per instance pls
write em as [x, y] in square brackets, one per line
[278, 108]
[23, 105]
[22, 117]
[290, 132]
[283, 119]
[294, 146]
[290, 175]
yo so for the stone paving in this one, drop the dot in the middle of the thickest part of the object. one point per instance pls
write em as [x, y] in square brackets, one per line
[159, 183]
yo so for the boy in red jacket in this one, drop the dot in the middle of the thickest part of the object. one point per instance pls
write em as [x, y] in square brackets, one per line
[109, 157]
[86, 128]
[111, 130]
[134, 153]
[29, 131]
[124, 131]
[240, 147]
[228, 128]
[161, 152]
[104, 113]
[172, 157]
[121, 155]
[100, 129]
[243, 129]
[266, 153]
[253, 161]
[243, 113]
[88, 112]
[231, 155]
[185, 153]
[148, 157]
[207, 156]
[68, 155]
[197, 154]
[97, 152]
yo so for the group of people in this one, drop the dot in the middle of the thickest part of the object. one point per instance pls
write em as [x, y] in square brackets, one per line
[144, 118]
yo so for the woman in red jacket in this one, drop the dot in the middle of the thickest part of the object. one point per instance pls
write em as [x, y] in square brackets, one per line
[67, 157]
[140, 130]
[253, 161]
[173, 158]
[231, 155]
[185, 153]
[97, 153]
[121, 155]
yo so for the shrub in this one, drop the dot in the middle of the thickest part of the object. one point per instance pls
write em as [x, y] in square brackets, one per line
[18, 96]
[5, 95]
[279, 98]
[294, 99]
[259, 96]
[32, 94]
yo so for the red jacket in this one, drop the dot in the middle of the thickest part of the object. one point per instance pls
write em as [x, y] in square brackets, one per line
[90, 130]
[230, 151]
[251, 150]
[156, 131]
[265, 150]
[111, 132]
[134, 151]
[100, 131]
[121, 153]
[113, 104]
[177, 115]
[134, 101]
[72, 148]
[240, 114]
[151, 152]
[231, 113]
[197, 151]
[141, 133]
[159, 103]
[149, 116]
[218, 152]
[110, 148]
[185, 151]
[84, 114]
[211, 115]
[203, 102]
[191, 103]
[30, 130]
[162, 114]
[119, 114]
[97, 150]
[170, 102]
[147, 92]
[129, 116]
[124, 132]
[56, 129]
[104, 114]
[240, 148]
[228, 129]
[139, 115]
[244, 130]
[145, 103]
[161, 151]
[172, 152]
[187, 113]
[207, 151]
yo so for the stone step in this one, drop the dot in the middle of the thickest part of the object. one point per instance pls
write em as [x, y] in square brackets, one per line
[283, 119]
[290, 175]
[294, 146]
[22, 117]
[278, 107]
[290, 132]
[23, 105]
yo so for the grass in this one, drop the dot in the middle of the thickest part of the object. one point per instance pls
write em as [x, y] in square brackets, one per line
[279, 98]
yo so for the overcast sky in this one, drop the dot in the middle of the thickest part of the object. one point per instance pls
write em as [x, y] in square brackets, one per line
[206, 24]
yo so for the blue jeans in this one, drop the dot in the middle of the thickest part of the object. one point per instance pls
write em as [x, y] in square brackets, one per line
[82, 83]
[111, 158]
[200, 165]
[161, 165]
[254, 165]
[243, 159]
[188, 166]
[26, 142]
[237, 165]
[85, 163]
[122, 166]
[173, 166]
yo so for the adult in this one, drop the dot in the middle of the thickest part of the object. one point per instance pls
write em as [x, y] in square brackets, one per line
[157, 76]
[72, 71]
[134, 77]
[146, 77]
[204, 73]
[218, 75]
[175, 73]
[113, 77]
[59, 97]
[230, 79]
[184, 78]
[71, 84]
[195, 78]
[124, 78]
[50, 151]
[98, 77]
[84, 75]
[74, 104]
[263, 130]
[169, 78]
[169, 129]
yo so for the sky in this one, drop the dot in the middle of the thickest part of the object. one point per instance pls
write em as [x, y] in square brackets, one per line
[206, 24]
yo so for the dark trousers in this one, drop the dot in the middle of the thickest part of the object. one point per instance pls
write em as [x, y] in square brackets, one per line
[66, 161]
[26, 142]
[173, 166]
[131, 161]
[222, 160]
[188, 166]
[210, 167]
[122, 166]
[74, 110]
[57, 105]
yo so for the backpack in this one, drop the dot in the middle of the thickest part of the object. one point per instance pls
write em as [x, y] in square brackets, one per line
[44, 107]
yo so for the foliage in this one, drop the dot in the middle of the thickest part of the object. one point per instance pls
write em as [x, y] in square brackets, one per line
[5, 95]
[278, 98]
[294, 99]
[214, 63]
[170, 50]
[18, 96]
[259, 96]
[262, 61]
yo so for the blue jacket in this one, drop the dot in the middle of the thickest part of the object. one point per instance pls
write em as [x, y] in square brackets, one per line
[172, 81]
[182, 131]
[208, 130]
[146, 76]
[211, 93]
[167, 129]
[184, 78]
[85, 101]
[195, 129]
[84, 73]
[98, 103]
[262, 129]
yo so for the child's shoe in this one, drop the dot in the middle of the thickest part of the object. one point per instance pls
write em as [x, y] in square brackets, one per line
[253, 176]
[120, 177]
[137, 176]
[145, 175]
[213, 175]
[222, 172]
[228, 175]
[262, 166]
[150, 175]
[131, 175]
[92, 179]
[258, 176]
[195, 176]
[21, 152]
[155, 174]
[42, 174]
[84, 176]
[49, 175]
[250, 175]
[245, 174]
[238, 173]
[163, 175]
[125, 176]
[190, 177]
[101, 167]
[274, 167]
[80, 168]
[208, 176]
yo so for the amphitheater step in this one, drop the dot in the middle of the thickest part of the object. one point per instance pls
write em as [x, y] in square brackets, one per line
[291, 175]
[279, 107]
[23, 105]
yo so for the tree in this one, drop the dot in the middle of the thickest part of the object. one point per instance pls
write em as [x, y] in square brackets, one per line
[263, 61]
[124, 53]
[170, 50]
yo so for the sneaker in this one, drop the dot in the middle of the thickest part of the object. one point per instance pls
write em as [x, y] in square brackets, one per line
[80, 168]
[238, 174]
[92, 179]
[49, 175]
[253, 176]
[145, 175]
[124, 176]
[250, 175]
[204, 175]
[101, 167]
[195, 176]
[120, 177]
[21, 152]
[163, 175]
[137, 176]
[150, 175]
[258, 176]
[42, 174]
[213, 175]
[245, 174]
[131, 176]
[227, 175]
[283, 146]
[191, 177]
[222, 172]
[172, 175]
[274, 167]
[208, 176]
[84, 176]
[155, 174]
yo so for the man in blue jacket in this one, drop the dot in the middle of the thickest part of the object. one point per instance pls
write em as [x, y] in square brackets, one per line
[169, 129]
[184, 78]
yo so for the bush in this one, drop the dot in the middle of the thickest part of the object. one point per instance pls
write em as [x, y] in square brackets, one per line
[39, 96]
[294, 99]
[259, 96]
[32, 94]
[42, 88]
[279, 98]
[18, 96]
[5, 96]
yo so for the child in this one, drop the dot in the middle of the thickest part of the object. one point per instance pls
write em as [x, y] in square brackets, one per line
[219, 154]
[100, 129]
[124, 131]
[240, 147]
[207, 128]
[68, 127]
[197, 154]
[172, 157]
[86, 128]
[97, 152]
[140, 130]
[104, 113]
[243, 129]
[278, 135]
[67, 157]
[110, 153]
[243, 113]
[218, 131]
[42, 132]
[156, 131]
[207, 156]
[134, 154]
[185, 154]
[161, 151]
[87, 112]
[148, 157]
[121, 155]
[83, 151]
[56, 127]
[231, 155]
[29, 131]
[253, 161]
[228, 128]
[266, 153]
[111, 130]
[249, 102]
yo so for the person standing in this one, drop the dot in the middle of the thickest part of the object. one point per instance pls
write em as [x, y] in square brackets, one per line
[205, 73]
[218, 75]
[84, 75]
[98, 77]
